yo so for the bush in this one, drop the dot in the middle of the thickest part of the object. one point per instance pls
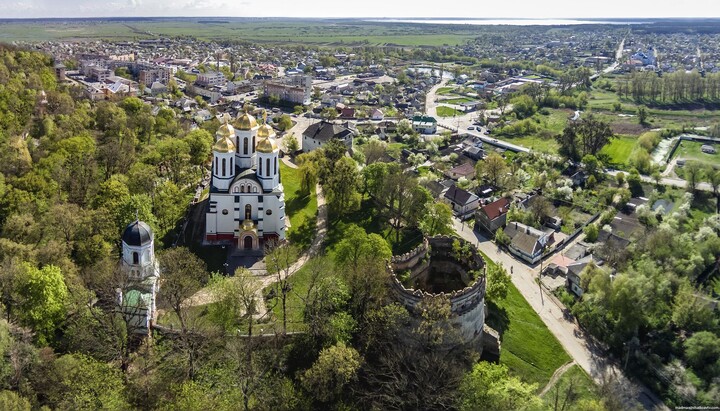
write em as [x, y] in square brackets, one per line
[649, 140]
[591, 233]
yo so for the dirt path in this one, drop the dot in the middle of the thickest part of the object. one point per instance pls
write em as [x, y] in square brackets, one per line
[556, 376]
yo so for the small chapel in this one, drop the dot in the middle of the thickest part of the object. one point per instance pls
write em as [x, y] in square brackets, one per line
[142, 271]
[246, 208]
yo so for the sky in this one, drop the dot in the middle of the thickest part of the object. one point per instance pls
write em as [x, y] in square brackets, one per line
[360, 8]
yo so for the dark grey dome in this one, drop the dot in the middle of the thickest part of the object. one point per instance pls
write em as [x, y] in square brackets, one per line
[137, 234]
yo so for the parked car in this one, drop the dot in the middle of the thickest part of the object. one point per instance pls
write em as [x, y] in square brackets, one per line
[471, 128]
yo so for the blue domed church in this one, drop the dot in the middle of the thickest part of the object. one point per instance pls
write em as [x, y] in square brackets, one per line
[137, 296]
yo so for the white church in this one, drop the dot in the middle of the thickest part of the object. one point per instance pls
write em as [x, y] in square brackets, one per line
[137, 296]
[246, 207]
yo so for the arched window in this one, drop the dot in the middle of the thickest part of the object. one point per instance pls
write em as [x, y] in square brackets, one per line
[216, 165]
[232, 165]
[245, 145]
[275, 167]
[224, 164]
[242, 188]
[260, 164]
[254, 189]
[253, 145]
[248, 212]
[267, 167]
[136, 258]
[236, 189]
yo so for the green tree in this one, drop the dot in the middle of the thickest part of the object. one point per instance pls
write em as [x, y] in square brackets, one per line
[591, 233]
[374, 150]
[342, 187]
[489, 387]
[335, 369]
[592, 164]
[235, 301]
[200, 144]
[292, 145]
[9, 400]
[690, 311]
[702, 352]
[693, 173]
[492, 169]
[713, 177]
[357, 246]
[279, 260]
[183, 275]
[78, 382]
[642, 114]
[586, 136]
[284, 122]
[523, 105]
[42, 295]
[437, 220]
[498, 282]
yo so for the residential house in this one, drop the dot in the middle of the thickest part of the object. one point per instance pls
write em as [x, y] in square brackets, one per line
[376, 115]
[424, 124]
[573, 274]
[463, 203]
[321, 132]
[466, 170]
[347, 113]
[493, 216]
[527, 242]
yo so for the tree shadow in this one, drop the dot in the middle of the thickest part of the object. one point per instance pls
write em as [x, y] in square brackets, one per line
[297, 203]
[497, 318]
[303, 235]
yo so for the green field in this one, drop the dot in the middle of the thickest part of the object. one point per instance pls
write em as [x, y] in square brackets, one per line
[619, 150]
[533, 363]
[583, 389]
[300, 208]
[283, 31]
[445, 90]
[543, 145]
[690, 150]
[458, 100]
[518, 323]
[444, 111]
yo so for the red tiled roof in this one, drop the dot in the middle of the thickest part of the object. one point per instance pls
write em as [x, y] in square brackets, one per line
[496, 208]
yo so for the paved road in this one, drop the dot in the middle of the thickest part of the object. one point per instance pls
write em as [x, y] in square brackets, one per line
[583, 351]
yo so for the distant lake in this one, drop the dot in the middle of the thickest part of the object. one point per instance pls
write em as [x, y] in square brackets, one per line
[506, 22]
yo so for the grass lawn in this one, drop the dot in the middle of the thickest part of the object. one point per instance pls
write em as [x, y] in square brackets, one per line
[444, 111]
[458, 100]
[528, 348]
[620, 149]
[300, 208]
[445, 90]
[582, 385]
[299, 284]
[544, 145]
[690, 150]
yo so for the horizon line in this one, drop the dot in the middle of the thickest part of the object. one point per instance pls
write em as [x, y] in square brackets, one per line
[366, 18]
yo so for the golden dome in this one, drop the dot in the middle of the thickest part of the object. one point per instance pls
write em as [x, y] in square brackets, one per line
[224, 145]
[266, 145]
[246, 122]
[265, 131]
[225, 130]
